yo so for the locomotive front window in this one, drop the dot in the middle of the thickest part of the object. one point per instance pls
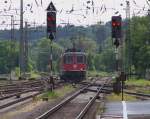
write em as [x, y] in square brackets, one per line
[80, 59]
[68, 59]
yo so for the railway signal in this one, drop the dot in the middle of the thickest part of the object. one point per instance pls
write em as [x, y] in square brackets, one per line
[116, 43]
[51, 36]
[51, 21]
[51, 30]
[116, 26]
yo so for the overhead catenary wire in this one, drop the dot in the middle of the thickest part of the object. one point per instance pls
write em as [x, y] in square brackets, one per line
[87, 8]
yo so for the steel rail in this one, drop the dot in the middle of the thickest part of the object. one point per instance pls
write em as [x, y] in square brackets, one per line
[19, 93]
[12, 86]
[90, 103]
[61, 104]
[10, 89]
[18, 100]
[22, 91]
[128, 92]
[137, 94]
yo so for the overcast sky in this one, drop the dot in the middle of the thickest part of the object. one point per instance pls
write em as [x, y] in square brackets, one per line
[77, 12]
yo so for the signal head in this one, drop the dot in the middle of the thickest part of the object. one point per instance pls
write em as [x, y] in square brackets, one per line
[116, 26]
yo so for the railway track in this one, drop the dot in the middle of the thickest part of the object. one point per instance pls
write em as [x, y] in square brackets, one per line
[10, 100]
[63, 104]
[21, 86]
[25, 90]
[8, 103]
[16, 96]
[20, 93]
[141, 96]
[83, 109]
[89, 104]
[138, 95]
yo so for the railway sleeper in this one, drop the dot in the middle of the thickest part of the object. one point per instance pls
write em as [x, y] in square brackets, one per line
[95, 91]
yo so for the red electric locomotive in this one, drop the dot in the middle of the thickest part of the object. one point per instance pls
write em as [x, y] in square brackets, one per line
[73, 65]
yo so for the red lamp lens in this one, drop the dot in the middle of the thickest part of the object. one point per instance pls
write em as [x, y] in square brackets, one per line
[113, 23]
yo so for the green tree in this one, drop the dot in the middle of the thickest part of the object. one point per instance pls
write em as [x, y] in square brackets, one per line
[43, 54]
[9, 55]
[140, 44]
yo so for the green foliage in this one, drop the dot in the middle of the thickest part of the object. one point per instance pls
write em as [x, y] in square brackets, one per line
[86, 44]
[105, 60]
[138, 82]
[50, 95]
[94, 40]
[17, 71]
[9, 52]
[90, 39]
[114, 97]
[140, 44]
[90, 61]
[58, 92]
[34, 75]
[43, 54]
[82, 42]
[98, 73]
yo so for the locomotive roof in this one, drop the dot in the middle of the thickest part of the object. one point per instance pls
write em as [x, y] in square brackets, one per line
[75, 53]
[73, 50]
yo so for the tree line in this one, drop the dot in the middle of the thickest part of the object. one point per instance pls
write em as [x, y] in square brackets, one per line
[95, 40]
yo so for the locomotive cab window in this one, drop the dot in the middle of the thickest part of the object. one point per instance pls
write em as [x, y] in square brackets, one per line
[68, 59]
[80, 59]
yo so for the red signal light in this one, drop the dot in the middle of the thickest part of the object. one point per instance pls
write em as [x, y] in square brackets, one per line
[50, 18]
[116, 27]
[51, 22]
[118, 23]
[113, 23]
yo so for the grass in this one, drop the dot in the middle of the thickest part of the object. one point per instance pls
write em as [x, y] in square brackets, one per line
[100, 109]
[50, 95]
[34, 75]
[66, 89]
[137, 82]
[144, 91]
[139, 85]
[97, 73]
[114, 97]
[58, 92]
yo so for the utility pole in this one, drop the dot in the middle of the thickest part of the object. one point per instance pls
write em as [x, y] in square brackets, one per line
[11, 47]
[21, 54]
[12, 27]
[26, 45]
[128, 40]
